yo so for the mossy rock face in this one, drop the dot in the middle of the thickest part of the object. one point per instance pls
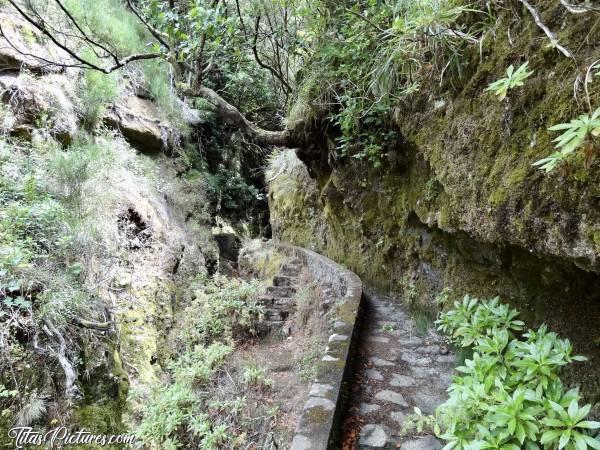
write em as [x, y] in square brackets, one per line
[99, 419]
[467, 210]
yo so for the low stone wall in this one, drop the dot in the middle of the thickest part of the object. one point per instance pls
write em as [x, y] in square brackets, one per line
[320, 420]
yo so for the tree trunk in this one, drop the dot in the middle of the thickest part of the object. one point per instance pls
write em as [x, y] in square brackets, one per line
[284, 138]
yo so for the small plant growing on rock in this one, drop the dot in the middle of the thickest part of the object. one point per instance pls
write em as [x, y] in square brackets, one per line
[443, 297]
[388, 327]
[417, 421]
[514, 78]
[577, 133]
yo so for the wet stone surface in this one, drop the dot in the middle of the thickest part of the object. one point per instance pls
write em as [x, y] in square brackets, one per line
[398, 370]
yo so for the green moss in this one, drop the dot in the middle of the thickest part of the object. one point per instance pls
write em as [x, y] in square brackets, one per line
[120, 374]
[100, 419]
[594, 235]
[508, 186]
[319, 415]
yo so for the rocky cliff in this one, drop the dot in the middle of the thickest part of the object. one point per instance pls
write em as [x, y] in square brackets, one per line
[458, 204]
[134, 230]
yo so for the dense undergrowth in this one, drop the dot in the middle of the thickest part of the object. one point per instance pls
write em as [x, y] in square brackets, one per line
[204, 401]
[375, 55]
[48, 240]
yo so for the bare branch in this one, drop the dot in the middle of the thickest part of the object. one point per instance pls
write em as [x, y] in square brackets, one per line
[275, 73]
[158, 35]
[83, 33]
[577, 9]
[41, 27]
[370, 22]
[536, 16]
[83, 63]
[239, 12]
[131, 58]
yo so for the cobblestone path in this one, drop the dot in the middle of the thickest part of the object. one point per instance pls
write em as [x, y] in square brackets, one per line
[397, 370]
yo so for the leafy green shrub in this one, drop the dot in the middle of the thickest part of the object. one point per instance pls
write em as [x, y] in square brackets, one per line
[95, 92]
[71, 168]
[514, 78]
[175, 416]
[199, 364]
[577, 133]
[254, 375]
[509, 394]
[222, 309]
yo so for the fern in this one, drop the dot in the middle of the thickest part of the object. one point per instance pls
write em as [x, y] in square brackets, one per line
[576, 133]
[514, 78]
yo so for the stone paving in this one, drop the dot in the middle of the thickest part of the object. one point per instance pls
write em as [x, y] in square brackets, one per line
[397, 370]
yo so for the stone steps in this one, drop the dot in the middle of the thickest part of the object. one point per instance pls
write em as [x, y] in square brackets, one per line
[281, 291]
[279, 299]
[274, 300]
[290, 269]
[284, 280]
[277, 314]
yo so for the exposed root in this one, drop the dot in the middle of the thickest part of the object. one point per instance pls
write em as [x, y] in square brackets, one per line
[100, 326]
[72, 391]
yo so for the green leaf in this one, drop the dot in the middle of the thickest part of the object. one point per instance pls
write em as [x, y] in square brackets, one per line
[592, 442]
[550, 436]
[565, 437]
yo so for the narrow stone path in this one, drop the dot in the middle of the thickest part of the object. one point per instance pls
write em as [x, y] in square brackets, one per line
[397, 370]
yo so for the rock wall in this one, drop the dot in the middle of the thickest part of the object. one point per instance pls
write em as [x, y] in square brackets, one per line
[458, 204]
[148, 226]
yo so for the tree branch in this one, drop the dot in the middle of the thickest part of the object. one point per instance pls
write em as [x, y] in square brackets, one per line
[370, 22]
[536, 16]
[83, 33]
[276, 74]
[83, 63]
[158, 35]
[283, 138]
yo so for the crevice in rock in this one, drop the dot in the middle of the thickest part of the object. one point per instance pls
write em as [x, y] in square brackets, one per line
[136, 231]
